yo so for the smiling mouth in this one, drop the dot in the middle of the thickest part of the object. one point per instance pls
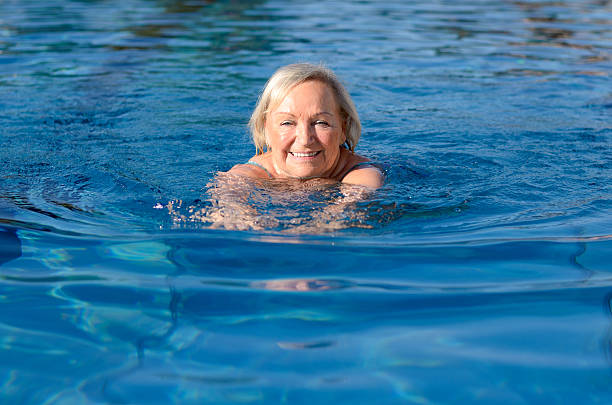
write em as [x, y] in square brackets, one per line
[304, 154]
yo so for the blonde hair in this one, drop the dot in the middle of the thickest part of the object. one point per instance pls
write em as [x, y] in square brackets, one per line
[281, 83]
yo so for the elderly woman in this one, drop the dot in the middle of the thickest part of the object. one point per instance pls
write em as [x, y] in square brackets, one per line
[305, 126]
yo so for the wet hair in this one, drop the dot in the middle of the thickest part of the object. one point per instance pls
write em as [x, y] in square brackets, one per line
[281, 83]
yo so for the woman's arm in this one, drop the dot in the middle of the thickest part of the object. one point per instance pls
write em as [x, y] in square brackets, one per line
[367, 176]
[250, 170]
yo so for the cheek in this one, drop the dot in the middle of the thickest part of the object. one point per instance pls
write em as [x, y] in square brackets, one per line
[284, 137]
[331, 138]
[278, 139]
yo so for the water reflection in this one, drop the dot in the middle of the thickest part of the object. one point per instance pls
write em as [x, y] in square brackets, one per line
[607, 340]
[214, 28]
[549, 28]
[300, 285]
[305, 345]
[10, 245]
[181, 6]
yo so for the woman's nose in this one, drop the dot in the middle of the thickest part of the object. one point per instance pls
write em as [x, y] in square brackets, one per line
[304, 134]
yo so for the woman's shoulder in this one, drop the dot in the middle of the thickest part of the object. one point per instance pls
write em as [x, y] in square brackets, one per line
[254, 167]
[362, 171]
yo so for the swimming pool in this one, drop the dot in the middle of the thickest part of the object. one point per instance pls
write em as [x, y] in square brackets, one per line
[480, 273]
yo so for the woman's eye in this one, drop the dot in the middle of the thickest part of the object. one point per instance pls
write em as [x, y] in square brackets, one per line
[286, 123]
[323, 123]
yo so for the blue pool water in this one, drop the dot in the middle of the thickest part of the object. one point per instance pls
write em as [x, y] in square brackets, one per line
[480, 273]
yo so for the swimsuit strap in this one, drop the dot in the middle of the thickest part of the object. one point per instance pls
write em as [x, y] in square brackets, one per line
[356, 166]
[260, 166]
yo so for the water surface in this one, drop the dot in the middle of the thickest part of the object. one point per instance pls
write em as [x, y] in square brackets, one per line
[478, 274]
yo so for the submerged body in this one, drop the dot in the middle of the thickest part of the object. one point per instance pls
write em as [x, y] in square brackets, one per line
[305, 133]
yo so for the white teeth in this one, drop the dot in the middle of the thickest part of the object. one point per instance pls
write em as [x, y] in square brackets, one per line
[309, 154]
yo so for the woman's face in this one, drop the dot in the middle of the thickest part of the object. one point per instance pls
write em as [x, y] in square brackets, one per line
[305, 131]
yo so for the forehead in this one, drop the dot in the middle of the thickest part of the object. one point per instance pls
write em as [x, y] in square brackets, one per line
[306, 95]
